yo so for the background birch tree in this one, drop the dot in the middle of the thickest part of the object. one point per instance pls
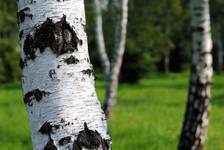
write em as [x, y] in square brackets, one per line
[58, 78]
[196, 120]
[112, 69]
[101, 48]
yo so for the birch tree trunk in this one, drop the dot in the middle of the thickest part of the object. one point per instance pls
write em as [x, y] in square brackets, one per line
[100, 39]
[58, 79]
[117, 58]
[195, 125]
[167, 7]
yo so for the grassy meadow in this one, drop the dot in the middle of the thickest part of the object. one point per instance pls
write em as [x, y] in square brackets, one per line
[148, 116]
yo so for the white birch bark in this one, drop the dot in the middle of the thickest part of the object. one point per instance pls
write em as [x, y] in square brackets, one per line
[59, 91]
[195, 125]
[101, 48]
[117, 58]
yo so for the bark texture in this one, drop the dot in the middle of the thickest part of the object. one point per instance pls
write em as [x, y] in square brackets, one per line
[117, 58]
[196, 120]
[58, 78]
[101, 48]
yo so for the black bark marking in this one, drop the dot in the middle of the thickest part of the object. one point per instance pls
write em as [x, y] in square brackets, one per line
[87, 59]
[32, 1]
[21, 63]
[47, 129]
[197, 29]
[21, 34]
[52, 73]
[37, 94]
[88, 72]
[50, 145]
[65, 140]
[29, 47]
[90, 140]
[76, 146]
[71, 60]
[198, 8]
[21, 15]
[59, 36]
[205, 53]
[62, 120]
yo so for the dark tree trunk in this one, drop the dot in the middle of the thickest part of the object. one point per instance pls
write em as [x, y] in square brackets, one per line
[220, 52]
[167, 63]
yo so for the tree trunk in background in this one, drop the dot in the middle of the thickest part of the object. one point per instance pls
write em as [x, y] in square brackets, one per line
[220, 57]
[195, 125]
[117, 58]
[58, 79]
[220, 52]
[167, 63]
[100, 39]
[166, 36]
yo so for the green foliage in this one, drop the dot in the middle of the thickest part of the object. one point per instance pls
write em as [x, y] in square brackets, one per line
[9, 61]
[148, 116]
[156, 28]
[9, 54]
[136, 64]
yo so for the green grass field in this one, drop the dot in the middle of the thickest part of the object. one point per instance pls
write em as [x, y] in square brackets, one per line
[148, 116]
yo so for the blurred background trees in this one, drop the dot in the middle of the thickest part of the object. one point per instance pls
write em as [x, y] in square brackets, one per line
[9, 51]
[148, 41]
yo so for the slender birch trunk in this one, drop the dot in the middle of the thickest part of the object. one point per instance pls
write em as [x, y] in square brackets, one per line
[101, 48]
[58, 78]
[220, 57]
[166, 36]
[167, 63]
[117, 58]
[195, 125]
[220, 52]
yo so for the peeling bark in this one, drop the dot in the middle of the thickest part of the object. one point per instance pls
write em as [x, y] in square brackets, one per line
[54, 46]
[196, 119]
[59, 37]
[90, 140]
